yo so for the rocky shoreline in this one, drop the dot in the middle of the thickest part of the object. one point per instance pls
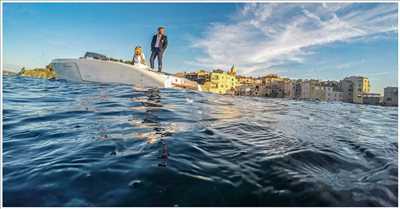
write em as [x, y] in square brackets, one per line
[46, 73]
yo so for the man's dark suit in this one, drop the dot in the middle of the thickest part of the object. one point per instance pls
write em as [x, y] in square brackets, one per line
[158, 51]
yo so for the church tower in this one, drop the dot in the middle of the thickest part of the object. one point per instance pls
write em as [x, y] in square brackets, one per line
[232, 71]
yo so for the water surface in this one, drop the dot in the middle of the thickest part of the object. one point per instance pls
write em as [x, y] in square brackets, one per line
[87, 144]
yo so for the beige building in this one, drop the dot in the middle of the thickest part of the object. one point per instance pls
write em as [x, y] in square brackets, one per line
[288, 88]
[246, 80]
[296, 88]
[275, 86]
[305, 87]
[354, 87]
[222, 82]
[248, 90]
[312, 89]
[333, 95]
[332, 92]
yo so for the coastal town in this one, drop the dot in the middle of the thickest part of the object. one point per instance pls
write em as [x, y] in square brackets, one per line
[352, 89]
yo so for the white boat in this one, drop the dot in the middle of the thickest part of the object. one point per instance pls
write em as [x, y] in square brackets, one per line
[88, 69]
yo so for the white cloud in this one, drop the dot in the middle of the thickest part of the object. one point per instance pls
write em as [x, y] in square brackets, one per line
[261, 36]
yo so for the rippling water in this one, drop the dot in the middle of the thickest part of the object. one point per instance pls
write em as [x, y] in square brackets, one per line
[69, 144]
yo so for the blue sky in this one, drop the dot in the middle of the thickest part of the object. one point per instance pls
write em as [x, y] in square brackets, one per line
[311, 40]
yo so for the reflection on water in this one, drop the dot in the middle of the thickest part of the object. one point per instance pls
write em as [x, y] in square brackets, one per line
[152, 105]
[74, 144]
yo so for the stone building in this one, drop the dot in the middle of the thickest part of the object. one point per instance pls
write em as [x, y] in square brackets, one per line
[390, 96]
[332, 91]
[354, 87]
[371, 98]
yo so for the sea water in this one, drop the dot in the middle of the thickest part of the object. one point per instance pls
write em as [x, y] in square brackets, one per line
[90, 144]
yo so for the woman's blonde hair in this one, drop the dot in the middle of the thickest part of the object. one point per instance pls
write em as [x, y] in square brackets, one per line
[138, 50]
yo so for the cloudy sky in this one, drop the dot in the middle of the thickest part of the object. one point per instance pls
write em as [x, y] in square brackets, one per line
[309, 40]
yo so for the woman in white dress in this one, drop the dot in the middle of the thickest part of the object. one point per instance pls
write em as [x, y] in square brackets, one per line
[138, 57]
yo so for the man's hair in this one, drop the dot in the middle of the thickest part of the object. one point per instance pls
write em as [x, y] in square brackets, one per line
[159, 28]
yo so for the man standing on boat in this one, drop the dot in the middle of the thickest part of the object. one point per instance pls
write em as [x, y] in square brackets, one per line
[158, 46]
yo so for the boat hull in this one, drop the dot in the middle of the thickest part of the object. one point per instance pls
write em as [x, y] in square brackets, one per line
[92, 70]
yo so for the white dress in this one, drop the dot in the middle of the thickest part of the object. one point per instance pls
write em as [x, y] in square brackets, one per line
[138, 59]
